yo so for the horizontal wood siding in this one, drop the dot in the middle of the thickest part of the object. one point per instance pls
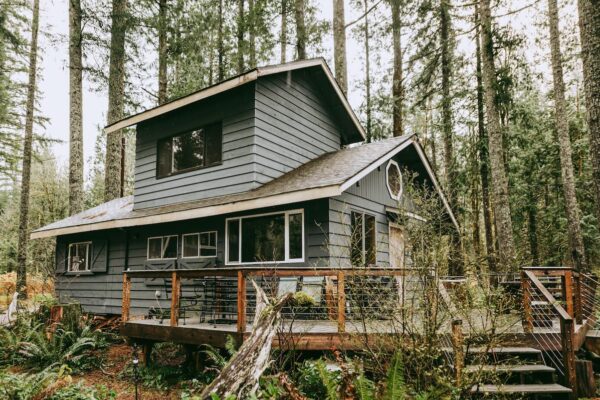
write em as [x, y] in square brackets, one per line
[371, 196]
[293, 124]
[101, 293]
[236, 173]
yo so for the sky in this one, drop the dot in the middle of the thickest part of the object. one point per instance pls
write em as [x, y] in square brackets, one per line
[54, 84]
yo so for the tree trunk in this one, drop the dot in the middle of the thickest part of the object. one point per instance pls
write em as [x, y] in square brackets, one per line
[220, 46]
[532, 228]
[564, 141]
[300, 29]
[484, 158]
[240, 376]
[240, 37]
[589, 30]
[162, 51]
[75, 109]
[446, 67]
[116, 94]
[397, 85]
[252, 33]
[367, 74]
[283, 34]
[506, 248]
[27, 149]
[339, 45]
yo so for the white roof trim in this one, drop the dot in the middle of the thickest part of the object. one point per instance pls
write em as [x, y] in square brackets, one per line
[244, 205]
[233, 83]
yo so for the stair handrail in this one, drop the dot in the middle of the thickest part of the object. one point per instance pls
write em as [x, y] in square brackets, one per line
[567, 326]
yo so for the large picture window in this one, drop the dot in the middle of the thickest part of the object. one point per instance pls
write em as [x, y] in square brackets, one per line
[190, 150]
[162, 247]
[266, 238]
[79, 257]
[363, 239]
[202, 244]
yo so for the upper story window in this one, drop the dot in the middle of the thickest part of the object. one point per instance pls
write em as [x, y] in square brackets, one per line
[198, 148]
[266, 238]
[394, 180]
[79, 257]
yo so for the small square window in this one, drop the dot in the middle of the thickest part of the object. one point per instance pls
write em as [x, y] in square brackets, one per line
[208, 244]
[162, 247]
[79, 257]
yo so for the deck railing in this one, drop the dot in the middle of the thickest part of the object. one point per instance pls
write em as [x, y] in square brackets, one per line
[342, 299]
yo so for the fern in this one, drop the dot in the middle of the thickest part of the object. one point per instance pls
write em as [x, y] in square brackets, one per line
[394, 387]
[328, 379]
[365, 388]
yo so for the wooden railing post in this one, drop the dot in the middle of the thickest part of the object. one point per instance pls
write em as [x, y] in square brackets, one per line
[577, 297]
[241, 302]
[567, 330]
[459, 355]
[527, 313]
[567, 292]
[341, 302]
[175, 292]
[126, 300]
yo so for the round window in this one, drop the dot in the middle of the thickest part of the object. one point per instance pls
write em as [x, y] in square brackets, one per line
[394, 180]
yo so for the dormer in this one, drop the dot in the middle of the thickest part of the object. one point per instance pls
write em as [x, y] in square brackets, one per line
[239, 134]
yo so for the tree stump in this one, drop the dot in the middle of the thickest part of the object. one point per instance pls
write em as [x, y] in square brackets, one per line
[241, 374]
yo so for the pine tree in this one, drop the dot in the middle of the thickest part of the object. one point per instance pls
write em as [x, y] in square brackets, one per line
[27, 150]
[562, 131]
[301, 36]
[241, 27]
[339, 45]
[75, 109]
[506, 247]
[162, 51]
[116, 96]
[397, 84]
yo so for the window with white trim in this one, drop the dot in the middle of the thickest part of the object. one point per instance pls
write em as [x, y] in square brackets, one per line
[162, 247]
[394, 180]
[79, 257]
[363, 246]
[265, 238]
[203, 244]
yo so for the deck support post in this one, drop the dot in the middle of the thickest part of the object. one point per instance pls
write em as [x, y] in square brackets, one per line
[241, 303]
[126, 299]
[567, 292]
[567, 330]
[578, 304]
[527, 312]
[459, 355]
[175, 292]
[341, 302]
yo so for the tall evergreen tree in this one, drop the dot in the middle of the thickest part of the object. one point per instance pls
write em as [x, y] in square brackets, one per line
[397, 84]
[283, 33]
[27, 150]
[241, 27]
[162, 51]
[339, 45]
[75, 109]
[301, 35]
[506, 247]
[564, 141]
[116, 97]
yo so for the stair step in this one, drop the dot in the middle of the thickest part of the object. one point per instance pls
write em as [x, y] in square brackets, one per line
[547, 388]
[504, 368]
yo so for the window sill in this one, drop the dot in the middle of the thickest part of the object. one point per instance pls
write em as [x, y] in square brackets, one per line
[78, 273]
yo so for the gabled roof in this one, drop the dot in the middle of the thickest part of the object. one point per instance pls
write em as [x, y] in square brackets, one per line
[326, 176]
[242, 79]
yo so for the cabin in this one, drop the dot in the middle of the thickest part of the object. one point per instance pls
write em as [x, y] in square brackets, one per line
[266, 179]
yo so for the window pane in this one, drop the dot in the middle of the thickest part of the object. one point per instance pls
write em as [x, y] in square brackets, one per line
[164, 157]
[370, 245]
[233, 240]
[154, 247]
[188, 150]
[214, 143]
[295, 226]
[356, 239]
[208, 244]
[170, 247]
[190, 245]
[263, 238]
[394, 180]
[79, 257]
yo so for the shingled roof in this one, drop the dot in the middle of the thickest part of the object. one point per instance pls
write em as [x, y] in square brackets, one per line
[326, 176]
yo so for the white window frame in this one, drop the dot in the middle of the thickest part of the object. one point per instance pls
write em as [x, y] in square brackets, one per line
[199, 244]
[286, 240]
[162, 249]
[395, 196]
[363, 250]
[87, 255]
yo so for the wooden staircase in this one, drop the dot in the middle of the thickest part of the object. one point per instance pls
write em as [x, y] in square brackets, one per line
[507, 372]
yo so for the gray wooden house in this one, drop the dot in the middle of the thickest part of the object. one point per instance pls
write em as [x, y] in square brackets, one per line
[266, 171]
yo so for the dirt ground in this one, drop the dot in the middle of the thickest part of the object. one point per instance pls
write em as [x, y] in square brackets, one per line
[117, 358]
